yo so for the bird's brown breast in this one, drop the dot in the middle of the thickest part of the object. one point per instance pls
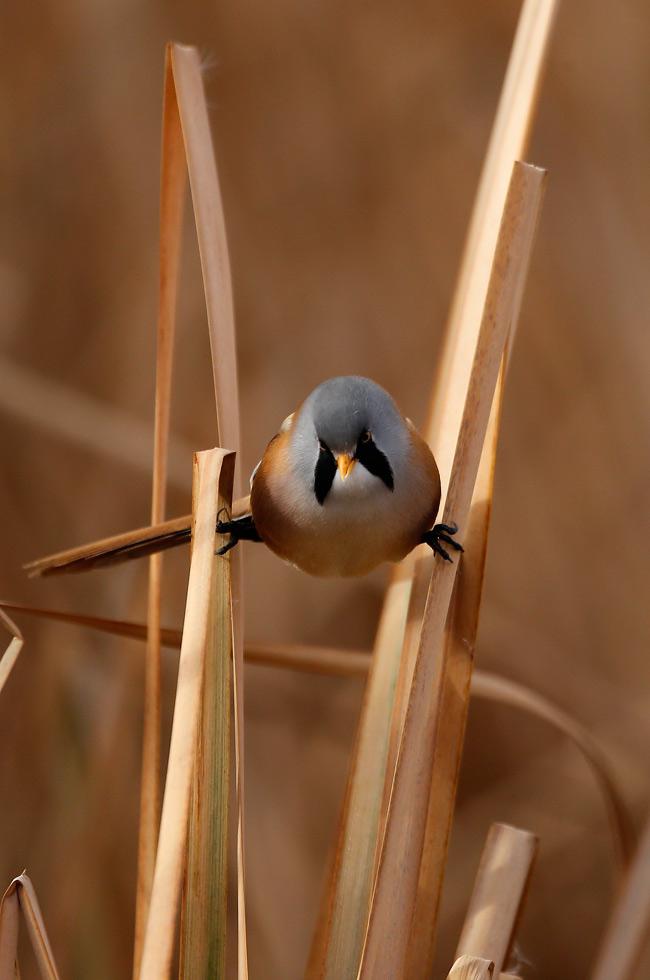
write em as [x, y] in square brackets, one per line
[332, 539]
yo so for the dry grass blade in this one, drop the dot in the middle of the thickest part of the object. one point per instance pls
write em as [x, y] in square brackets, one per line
[357, 663]
[498, 895]
[397, 877]
[10, 655]
[172, 199]
[215, 267]
[20, 897]
[204, 910]
[211, 234]
[471, 968]
[504, 691]
[339, 931]
[213, 470]
[117, 627]
[309, 659]
[508, 142]
[629, 925]
[122, 547]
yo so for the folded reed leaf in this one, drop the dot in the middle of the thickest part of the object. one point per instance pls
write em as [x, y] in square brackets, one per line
[10, 655]
[20, 899]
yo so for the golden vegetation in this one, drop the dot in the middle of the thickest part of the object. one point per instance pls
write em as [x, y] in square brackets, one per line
[380, 910]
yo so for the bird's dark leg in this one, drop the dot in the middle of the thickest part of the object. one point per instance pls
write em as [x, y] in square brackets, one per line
[241, 529]
[442, 532]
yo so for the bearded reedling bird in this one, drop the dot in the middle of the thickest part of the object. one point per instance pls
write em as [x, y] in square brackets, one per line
[347, 483]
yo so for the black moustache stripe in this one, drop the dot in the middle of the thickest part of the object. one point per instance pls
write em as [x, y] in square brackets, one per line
[324, 474]
[375, 462]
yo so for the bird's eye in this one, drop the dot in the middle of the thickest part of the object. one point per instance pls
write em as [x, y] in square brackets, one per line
[365, 436]
[323, 448]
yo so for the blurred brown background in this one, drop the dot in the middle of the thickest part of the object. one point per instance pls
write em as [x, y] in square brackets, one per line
[349, 140]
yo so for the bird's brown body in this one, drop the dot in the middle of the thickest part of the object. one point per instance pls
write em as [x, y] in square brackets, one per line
[358, 526]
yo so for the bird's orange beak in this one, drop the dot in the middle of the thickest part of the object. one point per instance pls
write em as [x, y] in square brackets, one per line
[345, 464]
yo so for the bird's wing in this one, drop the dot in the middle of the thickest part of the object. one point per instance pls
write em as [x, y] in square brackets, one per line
[286, 425]
[255, 469]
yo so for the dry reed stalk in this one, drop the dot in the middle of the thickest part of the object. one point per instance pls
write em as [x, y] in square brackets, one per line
[308, 659]
[212, 479]
[456, 685]
[215, 268]
[20, 897]
[460, 641]
[125, 546]
[116, 627]
[471, 968]
[10, 655]
[628, 928]
[172, 200]
[498, 895]
[205, 893]
[397, 877]
[509, 140]
[354, 856]
[186, 143]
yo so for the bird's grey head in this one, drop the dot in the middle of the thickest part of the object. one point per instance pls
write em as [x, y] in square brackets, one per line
[346, 422]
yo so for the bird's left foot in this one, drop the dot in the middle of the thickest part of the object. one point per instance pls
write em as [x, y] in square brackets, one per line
[442, 532]
[241, 529]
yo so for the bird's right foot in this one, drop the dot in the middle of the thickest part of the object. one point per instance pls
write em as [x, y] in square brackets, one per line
[442, 532]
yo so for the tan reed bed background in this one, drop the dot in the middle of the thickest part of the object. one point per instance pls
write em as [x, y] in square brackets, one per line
[349, 145]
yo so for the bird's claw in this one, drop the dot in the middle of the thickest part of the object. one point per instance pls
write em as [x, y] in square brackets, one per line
[442, 532]
[226, 547]
[240, 529]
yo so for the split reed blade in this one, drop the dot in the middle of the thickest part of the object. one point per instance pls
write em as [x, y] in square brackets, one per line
[471, 968]
[212, 479]
[498, 895]
[204, 915]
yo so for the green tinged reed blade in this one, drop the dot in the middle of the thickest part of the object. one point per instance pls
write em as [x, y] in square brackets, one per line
[205, 893]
